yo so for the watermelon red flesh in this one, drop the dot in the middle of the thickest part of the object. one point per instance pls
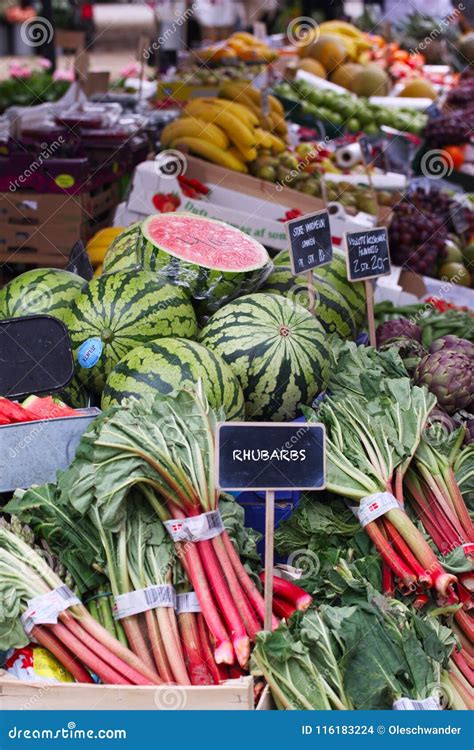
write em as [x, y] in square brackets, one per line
[47, 408]
[205, 242]
[11, 412]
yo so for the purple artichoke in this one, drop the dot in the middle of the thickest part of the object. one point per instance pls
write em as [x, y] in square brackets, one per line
[449, 375]
[397, 328]
[455, 343]
[410, 351]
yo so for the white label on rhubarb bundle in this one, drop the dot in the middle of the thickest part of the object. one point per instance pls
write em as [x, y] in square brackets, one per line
[45, 608]
[374, 506]
[141, 600]
[196, 528]
[187, 602]
[407, 704]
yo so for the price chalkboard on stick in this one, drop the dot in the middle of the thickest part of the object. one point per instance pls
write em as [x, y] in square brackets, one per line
[270, 456]
[310, 246]
[368, 257]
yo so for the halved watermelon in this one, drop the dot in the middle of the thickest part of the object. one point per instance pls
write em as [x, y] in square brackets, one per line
[213, 261]
[12, 412]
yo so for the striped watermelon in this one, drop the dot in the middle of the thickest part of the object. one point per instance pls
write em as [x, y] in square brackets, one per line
[119, 311]
[215, 262]
[277, 349]
[331, 309]
[335, 274]
[122, 253]
[41, 291]
[170, 364]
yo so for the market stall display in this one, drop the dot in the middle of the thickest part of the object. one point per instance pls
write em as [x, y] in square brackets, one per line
[121, 556]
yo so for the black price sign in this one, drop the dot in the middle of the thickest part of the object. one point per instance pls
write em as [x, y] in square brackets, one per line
[459, 218]
[270, 456]
[367, 254]
[310, 241]
[365, 148]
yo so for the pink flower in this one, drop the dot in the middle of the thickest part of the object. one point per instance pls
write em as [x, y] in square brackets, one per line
[130, 70]
[63, 75]
[44, 63]
[19, 71]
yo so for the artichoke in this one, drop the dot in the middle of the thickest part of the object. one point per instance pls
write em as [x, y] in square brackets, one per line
[410, 351]
[397, 328]
[449, 375]
[453, 342]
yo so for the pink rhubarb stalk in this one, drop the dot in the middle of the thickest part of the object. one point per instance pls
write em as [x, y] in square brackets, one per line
[70, 662]
[290, 592]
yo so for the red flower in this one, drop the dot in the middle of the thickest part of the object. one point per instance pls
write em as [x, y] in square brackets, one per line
[293, 213]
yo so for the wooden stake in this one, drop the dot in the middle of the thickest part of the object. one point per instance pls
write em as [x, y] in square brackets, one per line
[143, 44]
[369, 294]
[311, 292]
[269, 534]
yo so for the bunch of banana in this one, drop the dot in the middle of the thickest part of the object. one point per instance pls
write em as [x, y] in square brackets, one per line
[251, 98]
[227, 132]
[353, 39]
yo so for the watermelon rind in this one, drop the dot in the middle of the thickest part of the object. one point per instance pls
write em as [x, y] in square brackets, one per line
[335, 274]
[277, 350]
[168, 365]
[210, 285]
[40, 291]
[119, 311]
[330, 307]
[122, 252]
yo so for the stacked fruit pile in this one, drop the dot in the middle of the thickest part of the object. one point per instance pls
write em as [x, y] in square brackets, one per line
[229, 130]
[239, 46]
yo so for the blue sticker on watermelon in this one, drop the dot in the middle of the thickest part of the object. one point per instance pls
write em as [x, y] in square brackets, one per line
[89, 352]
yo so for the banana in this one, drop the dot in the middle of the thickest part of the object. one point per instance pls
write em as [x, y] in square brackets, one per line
[264, 139]
[192, 126]
[276, 145]
[236, 130]
[340, 27]
[247, 154]
[276, 105]
[211, 152]
[277, 124]
[237, 95]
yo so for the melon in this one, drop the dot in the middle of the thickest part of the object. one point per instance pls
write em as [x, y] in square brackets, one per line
[168, 365]
[122, 253]
[344, 75]
[212, 261]
[372, 80]
[41, 291]
[119, 311]
[312, 66]
[277, 350]
[328, 49]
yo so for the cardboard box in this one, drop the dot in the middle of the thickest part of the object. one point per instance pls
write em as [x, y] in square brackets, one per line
[403, 287]
[40, 229]
[231, 695]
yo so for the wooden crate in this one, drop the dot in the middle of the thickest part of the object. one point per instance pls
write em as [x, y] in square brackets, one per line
[232, 695]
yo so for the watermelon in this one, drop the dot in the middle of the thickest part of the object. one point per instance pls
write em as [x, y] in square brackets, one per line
[122, 253]
[119, 311]
[47, 407]
[331, 309]
[170, 364]
[44, 291]
[276, 348]
[213, 261]
[335, 274]
[11, 412]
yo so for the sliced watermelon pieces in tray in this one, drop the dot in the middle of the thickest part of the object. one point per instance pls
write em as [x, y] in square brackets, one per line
[34, 408]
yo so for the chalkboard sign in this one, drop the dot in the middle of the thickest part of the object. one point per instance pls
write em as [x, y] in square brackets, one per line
[310, 241]
[433, 111]
[367, 254]
[270, 456]
[459, 217]
[365, 148]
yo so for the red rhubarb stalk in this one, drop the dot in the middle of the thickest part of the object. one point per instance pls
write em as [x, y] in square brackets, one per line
[101, 668]
[158, 648]
[287, 590]
[46, 639]
[283, 608]
[240, 639]
[169, 633]
[460, 505]
[80, 613]
[466, 623]
[121, 667]
[206, 650]
[196, 663]
[246, 582]
[463, 666]
[223, 652]
[405, 553]
[249, 618]
[389, 555]
[388, 584]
